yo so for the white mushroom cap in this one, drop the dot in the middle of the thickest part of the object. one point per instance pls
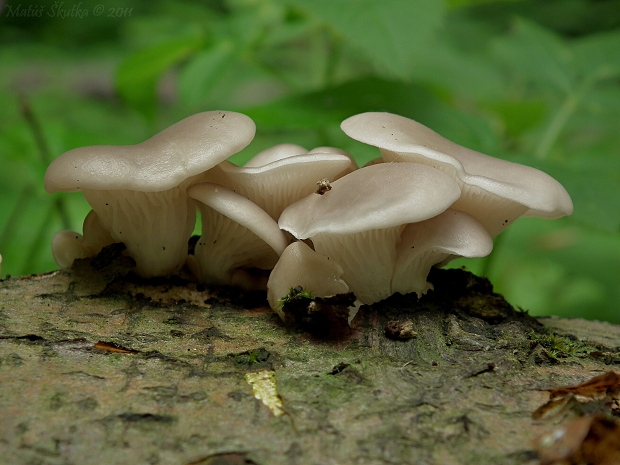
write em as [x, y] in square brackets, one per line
[68, 246]
[276, 185]
[281, 151]
[436, 241]
[359, 221]
[138, 191]
[299, 265]
[183, 150]
[374, 197]
[237, 235]
[324, 149]
[275, 153]
[495, 191]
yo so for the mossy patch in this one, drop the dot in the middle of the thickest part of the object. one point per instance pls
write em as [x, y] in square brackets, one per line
[563, 346]
[252, 358]
[295, 294]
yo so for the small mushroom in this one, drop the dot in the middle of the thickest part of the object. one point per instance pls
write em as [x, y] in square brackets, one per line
[494, 191]
[359, 221]
[68, 246]
[435, 242]
[238, 238]
[139, 191]
[300, 266]
[277, 184]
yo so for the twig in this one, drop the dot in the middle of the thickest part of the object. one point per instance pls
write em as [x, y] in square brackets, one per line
[13, 219]
[556, 126]
[44, 152]
[38, 242]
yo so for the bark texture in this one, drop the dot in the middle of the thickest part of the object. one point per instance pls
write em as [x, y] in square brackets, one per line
[171, 373]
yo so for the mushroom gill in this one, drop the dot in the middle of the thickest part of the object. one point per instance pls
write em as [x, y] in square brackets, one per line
[238, 239]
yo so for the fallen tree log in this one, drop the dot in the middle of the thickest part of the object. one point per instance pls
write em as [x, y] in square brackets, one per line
[163, 373]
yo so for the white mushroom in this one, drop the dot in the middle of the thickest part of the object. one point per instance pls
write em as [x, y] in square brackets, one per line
[301, 266]
[238, 237]
[139, 191]
[68, 246]
[359, 221]
[494, 191]
[436, 241]
[277, 184]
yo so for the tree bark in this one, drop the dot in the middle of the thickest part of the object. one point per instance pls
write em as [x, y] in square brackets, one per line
[171, 373]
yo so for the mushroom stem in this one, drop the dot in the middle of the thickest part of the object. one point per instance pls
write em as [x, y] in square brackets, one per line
[154, 226]
[367, 259]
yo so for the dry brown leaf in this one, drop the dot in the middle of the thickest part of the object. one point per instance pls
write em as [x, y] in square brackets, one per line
[605, 388]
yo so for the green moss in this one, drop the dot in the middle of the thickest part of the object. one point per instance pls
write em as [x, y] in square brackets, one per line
[252, 357]
[294, 294]
[562, 347]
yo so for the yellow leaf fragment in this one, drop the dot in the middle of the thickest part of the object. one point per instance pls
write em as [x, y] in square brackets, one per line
[264, 389]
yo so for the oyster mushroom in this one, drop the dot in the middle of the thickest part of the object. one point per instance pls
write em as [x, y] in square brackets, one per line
[68, 245]
[300, 266]
[494, 191]
[359, 221]
[238, 238]
[435, 242]
[139, 191]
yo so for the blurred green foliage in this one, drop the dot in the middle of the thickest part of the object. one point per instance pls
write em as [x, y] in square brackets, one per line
[528, 81]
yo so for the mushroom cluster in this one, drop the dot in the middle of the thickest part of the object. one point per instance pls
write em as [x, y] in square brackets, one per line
[297, 219]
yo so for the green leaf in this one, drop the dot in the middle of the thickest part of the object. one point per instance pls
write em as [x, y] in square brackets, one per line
[202, 73]
[137, 76]
[598, 56]
[389, 32]
[538, 54]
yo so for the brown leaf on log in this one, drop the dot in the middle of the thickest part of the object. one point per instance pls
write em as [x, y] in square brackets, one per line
[604, 388]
